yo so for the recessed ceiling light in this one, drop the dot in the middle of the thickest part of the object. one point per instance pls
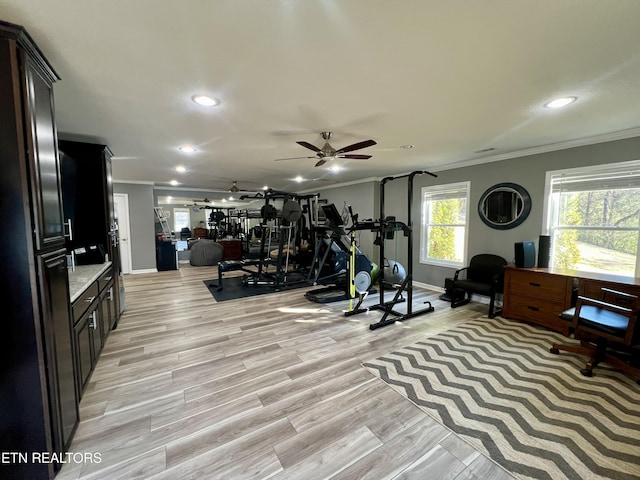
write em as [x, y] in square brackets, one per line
[266, 187]
[335, 168]
[187, 149]
[298, 179]
[231, 199]
[180, 169]
[224, 199]
[205, 100]
[560, 102]
[174, 182]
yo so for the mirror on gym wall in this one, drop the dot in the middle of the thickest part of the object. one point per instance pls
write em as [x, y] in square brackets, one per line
[504, 206]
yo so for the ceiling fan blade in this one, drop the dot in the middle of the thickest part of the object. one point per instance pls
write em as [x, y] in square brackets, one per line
[321, 162]
[357, 146]
[355, 156]
[309, 146]
[291, 158]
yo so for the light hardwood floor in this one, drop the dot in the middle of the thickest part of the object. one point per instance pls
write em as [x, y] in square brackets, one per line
[264, 387]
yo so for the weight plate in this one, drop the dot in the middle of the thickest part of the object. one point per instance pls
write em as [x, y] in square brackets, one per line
[362, 282]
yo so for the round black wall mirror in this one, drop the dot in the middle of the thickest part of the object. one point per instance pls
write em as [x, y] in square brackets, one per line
[504, 206]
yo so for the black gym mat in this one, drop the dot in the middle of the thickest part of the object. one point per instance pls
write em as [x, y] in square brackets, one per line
[234, 288]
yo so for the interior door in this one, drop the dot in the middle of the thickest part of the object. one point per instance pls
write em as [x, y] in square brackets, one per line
[121, 207]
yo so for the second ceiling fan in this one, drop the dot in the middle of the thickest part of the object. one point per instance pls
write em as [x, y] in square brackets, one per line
[327, 152]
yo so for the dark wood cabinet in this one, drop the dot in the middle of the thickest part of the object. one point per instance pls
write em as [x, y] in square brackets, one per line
[94, 316]
[43, 158]
[87, 194]
[87, 342]
[232, 249]
[58, 341]
[38, 405]
[108, 313]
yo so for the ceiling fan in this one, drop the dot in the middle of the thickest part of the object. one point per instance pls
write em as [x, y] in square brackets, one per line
[327, 152]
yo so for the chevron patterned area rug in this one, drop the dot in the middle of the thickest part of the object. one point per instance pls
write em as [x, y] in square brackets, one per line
[495, 384]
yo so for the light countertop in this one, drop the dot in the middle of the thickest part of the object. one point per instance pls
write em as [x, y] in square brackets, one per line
[83, 276]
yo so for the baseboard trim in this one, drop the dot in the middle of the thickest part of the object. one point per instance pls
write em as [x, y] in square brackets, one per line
[474, 298]
[146, 270]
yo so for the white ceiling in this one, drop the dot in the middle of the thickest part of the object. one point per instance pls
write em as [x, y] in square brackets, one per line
[450, 77]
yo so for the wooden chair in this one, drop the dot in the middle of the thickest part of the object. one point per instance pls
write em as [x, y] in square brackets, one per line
[606, 329]
[484, 276]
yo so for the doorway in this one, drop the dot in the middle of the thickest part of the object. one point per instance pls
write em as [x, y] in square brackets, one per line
[121, 206]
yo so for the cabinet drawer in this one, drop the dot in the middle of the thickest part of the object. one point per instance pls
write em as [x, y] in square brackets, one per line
[550, 287]
[84, 301]
[104, 279]
[539, 311]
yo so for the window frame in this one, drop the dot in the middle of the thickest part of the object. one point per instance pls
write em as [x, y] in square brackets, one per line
[549, 217]
[181, 210]
[465, 189]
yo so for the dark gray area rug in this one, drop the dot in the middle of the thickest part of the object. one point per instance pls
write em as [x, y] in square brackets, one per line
[495, 384]
[233, 288]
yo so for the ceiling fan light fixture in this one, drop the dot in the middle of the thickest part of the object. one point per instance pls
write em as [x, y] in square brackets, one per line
[560, 102]
[205, 100]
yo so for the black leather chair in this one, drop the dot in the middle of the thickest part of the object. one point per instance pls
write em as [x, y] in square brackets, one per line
[606, 329]
[483, 276]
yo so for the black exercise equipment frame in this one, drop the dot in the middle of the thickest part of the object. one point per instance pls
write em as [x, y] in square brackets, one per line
[390, 315]
[279, 279]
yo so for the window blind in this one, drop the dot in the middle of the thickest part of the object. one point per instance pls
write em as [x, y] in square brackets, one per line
[608, 177]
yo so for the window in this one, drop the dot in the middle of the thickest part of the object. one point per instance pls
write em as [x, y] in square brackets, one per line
[180, 219]
[444, 224]
[593, 218]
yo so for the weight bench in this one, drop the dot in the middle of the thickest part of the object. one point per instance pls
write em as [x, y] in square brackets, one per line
[232, 265]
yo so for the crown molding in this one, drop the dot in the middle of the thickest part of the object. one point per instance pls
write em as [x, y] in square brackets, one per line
[342, 184]
[135, 182]
[551, 147]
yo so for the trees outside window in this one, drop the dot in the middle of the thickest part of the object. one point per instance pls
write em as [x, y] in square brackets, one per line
[594, 218]
[444, 224]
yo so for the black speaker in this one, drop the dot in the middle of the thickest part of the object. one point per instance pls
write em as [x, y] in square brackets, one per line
[544, 251]
[525, 254]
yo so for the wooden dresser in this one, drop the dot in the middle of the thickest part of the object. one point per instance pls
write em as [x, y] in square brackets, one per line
[232, 249]
[537, 295]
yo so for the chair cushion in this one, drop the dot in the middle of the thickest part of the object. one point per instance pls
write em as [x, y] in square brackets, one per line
[473, 286]
[605, 320]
